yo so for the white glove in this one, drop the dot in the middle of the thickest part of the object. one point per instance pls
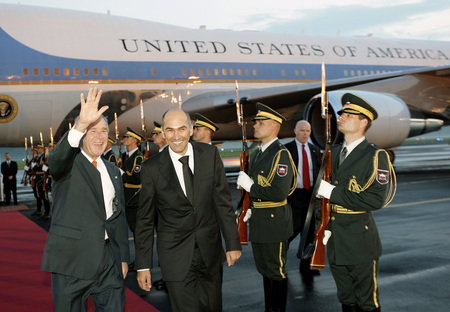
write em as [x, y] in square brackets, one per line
[26, 168]
[248, 215]
[121, 171]
[326, 237]
[32, 165]
[44, 168]
[244, 181]
[325, 189]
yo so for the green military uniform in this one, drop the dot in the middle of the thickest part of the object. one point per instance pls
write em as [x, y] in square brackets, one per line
[275, 177]
[362, 184]
[109, 155]
[41, 192]
[132, 180]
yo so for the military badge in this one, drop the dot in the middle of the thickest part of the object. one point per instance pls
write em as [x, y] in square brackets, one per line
[382, 176]
[137, 168]
[282, 170]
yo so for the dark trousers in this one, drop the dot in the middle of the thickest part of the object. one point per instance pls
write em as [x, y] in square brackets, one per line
[270, 259]
[299, 201]
[42, 197]
[106, 288]
[8, 187]
[357, 284]
[199, 291]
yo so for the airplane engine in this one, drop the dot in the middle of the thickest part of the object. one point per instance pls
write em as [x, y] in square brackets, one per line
[393, 125]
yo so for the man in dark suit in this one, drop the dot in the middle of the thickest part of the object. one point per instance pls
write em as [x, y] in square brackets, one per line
[193, 212]
[9, 172]
[87, 245]
[307, 170]
[361, 182]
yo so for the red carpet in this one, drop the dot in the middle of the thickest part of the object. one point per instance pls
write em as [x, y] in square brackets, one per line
[13, 208]
[23, 286]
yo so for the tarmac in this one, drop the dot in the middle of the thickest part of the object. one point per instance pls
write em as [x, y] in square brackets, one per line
[414, 268]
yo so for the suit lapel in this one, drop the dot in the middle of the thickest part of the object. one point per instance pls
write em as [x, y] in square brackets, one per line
[94, 178]
[167, 170]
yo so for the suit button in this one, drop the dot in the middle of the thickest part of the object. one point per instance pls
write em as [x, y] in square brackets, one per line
[333, 218]
[366, 227]
[271, 215]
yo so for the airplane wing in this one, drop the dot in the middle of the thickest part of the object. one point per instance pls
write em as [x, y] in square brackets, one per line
[423, 93]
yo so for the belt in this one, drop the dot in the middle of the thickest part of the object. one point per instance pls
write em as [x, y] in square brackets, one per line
[268, 204]
[129, 185]
[340, 209]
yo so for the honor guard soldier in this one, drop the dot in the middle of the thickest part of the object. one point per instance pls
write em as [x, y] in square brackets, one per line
[272, 177]
[132, 174]
[204, 129]
[39, 178]
[362, 180]
[108, 154]
[158, 137]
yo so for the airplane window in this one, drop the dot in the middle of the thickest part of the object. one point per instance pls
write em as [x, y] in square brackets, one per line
[239, 72]
[283, 72]
[345, 73]
[192, 71]
[216, 72]
[86, 71]
[366, 72]
[66, 72]
[232, 72]
[247, 72]
[304, 72]
[25, 72]
[36, 71]
[56, 71]
[297, 72]
[255, 72]
[201, 72]
[352, 73]
[76, 71]
[184, 72]
[372, 72]
[46, 72]
[209, 71]
[224, 72]
[105, 71]
[359, 72]
[95, 71]
[378, 72]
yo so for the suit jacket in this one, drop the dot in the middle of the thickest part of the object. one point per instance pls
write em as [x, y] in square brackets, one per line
[76, 237]
[9, 171]
[355, 237]
[181, 224]
[315, 157]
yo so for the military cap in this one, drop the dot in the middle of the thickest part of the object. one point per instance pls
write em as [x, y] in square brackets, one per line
[39, 146]
[202, 121]
[112, 140]
[131, 133]
[353, 104]
[157, 128]
[265, 112]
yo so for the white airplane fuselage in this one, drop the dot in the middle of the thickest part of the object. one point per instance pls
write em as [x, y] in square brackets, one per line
[50, 56]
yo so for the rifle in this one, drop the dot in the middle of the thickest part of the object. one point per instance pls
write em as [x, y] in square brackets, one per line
[33, 172]
[244, 203]
[119, 159]
[25, 173]
[317, 250]
[144, 130]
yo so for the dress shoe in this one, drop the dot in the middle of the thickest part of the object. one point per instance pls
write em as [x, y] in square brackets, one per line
[160, 285]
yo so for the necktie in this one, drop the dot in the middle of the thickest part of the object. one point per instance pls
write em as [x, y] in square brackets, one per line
[94, 163]
[188, 178]
[342, 155]
[305, 172]
[8, 164]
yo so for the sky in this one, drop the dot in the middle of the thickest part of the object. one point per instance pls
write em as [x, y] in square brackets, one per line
[406, 19]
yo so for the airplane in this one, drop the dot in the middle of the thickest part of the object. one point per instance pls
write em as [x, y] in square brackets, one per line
[49, 56]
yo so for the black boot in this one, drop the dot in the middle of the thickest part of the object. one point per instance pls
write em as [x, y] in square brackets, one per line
[268, 294]
[280, 295]
[350, 308]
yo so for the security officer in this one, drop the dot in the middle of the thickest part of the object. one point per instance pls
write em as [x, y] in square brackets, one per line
[272, 177]
[39, 178]
[363, 180]
[132, 172]
[108, 154]
[204, 129]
